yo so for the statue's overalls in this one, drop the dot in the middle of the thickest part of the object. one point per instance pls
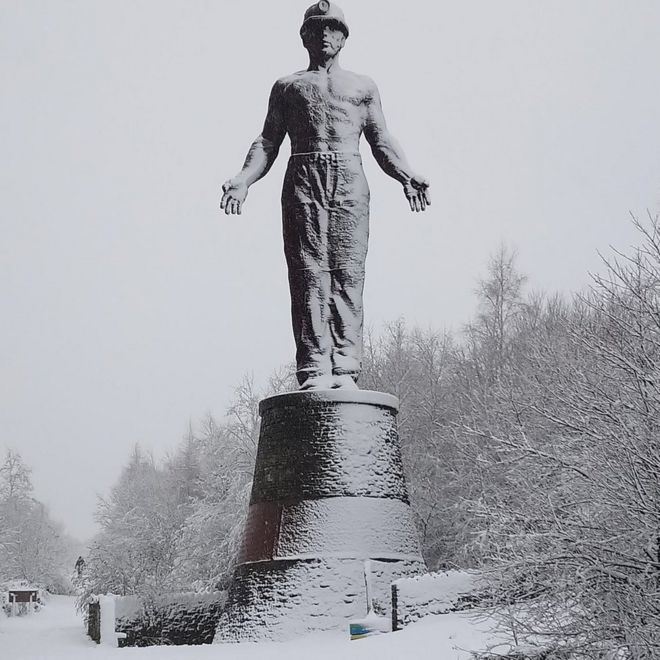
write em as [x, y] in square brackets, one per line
[325, 212]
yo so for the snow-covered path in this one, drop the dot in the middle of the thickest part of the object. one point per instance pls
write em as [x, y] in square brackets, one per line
[57, 633]
[50, 633]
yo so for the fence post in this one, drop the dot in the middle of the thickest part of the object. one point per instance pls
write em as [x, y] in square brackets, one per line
[109, 637]
[395, 605]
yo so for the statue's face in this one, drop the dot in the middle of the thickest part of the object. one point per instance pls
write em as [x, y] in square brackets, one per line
[323, 38]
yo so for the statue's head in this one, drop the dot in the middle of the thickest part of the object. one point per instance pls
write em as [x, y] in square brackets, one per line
[324, 28]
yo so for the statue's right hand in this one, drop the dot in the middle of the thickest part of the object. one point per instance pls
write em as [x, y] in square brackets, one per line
[234, 193]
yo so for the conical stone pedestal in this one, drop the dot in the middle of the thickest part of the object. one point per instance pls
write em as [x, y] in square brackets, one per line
[328, 494]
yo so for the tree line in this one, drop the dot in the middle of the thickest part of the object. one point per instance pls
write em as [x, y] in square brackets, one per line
[34, 548]
[530, 441]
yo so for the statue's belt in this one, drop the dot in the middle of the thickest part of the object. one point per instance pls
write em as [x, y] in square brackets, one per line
[330, 155]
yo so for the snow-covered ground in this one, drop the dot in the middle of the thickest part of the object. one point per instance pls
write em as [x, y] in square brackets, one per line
[57, 633]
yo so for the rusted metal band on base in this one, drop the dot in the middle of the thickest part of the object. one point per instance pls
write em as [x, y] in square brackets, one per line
[338, 527]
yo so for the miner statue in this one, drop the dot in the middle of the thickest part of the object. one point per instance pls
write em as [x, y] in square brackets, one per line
[325, 199]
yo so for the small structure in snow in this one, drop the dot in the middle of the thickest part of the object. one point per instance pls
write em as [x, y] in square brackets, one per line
[21, 599]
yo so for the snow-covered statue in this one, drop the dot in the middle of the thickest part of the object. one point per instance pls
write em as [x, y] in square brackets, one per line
[325, 200]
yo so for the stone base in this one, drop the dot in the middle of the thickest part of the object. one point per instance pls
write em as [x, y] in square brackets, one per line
[280, 600]
[328, 498]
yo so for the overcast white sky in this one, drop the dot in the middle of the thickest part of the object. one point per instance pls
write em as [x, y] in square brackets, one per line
[130, 305]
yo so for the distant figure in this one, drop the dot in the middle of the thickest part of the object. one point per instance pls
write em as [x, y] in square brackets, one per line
[325, 199]
[80, 566]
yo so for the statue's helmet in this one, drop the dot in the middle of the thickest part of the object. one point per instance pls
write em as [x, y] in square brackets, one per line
[325, 11]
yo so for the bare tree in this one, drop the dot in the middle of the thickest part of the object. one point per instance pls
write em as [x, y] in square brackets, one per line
[572, 506]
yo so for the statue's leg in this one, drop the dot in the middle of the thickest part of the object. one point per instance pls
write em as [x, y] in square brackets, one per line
[349, 233]
[310, 290]
[305, 230]
[346, 321]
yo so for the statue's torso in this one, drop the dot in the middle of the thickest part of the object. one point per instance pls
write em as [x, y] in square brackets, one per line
[325, 111]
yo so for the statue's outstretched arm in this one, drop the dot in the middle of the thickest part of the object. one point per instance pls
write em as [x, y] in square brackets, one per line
[390, 156]
[260, 157]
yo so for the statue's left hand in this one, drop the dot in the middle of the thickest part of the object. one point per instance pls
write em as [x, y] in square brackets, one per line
[417, 193]
[234, 194]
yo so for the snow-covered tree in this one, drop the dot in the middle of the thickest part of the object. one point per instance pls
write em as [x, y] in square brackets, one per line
[33, 547]
[572, 507]
[178, 526]
[140, 522]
